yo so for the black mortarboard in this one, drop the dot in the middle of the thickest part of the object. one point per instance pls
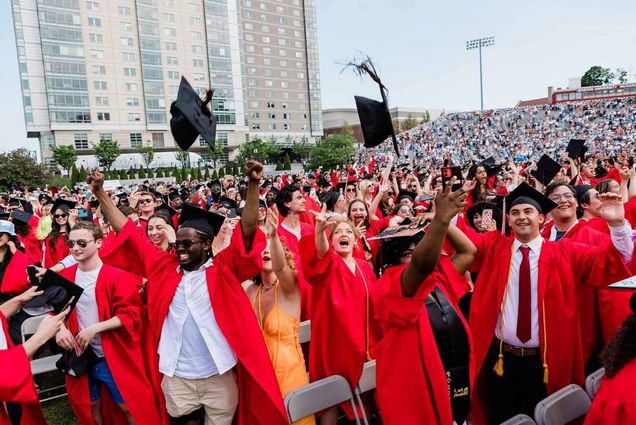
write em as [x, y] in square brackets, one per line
[215, 182]
[330, 198]
[14, 202]
[323, 182]
[21, 216]
[274, 190]
[166, 209]
[547, 168]
[524, 194]
[576, 149]
[406, 194]
[122, 195]
[375, 119]
[490, 165]
[581, 190]
[93, 204]
[59, 293]
[47, 199]
[261, 203]
[191, 117]
[64, 204]
[226, 202]
[341, 186]
[173, 195]
[4, 216]
[199, 219]
[307, 188]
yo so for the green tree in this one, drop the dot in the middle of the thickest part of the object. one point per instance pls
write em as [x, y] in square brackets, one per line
[410, 122]
[74, 175]
[216, 153]
[221, 172]
[215, 175]
[206, 175]
[123, 174]
[426, 117]
[182, 156]
[258, 150]
[301, 149]
[147, 154]
[287, 162]
[333, 151]
[597, 76]
[621, 75]
[65, 156]
[82, 174]
[346, 129]
[106, 151]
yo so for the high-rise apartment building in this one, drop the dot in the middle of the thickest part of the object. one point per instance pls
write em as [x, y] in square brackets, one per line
[109, 69]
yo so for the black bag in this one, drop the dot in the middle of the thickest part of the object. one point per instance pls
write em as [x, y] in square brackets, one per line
[71, 364]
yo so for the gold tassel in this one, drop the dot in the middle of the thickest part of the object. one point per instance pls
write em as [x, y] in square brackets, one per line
[545, 373]
[499, 366]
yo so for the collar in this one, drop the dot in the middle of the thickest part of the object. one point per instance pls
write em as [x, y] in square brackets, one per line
[553, 231]
[205, 265]
[534, 245]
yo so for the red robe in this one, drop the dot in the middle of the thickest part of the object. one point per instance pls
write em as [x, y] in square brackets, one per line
[260, 400]
[116, 294]
[32, 247]
[292, 243]
[339, 301]
[602, 310]
[307, 216]
[16, 279]
[410, 377]
[614, 402]
[16, 382]
[563, 267]
[52, 257]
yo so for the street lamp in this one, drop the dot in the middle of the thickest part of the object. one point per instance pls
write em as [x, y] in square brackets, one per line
[478, 44]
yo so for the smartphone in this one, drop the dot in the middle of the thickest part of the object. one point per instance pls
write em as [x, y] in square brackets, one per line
[31, 271]
[486, 218]
[82, 213]
[448, 173]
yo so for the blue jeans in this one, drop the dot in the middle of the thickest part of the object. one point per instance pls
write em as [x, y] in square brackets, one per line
[101, 373]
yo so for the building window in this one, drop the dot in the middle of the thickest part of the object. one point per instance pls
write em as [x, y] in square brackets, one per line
[128, 57]
[173, 75]
[195, 21]
[286, 116]
[130, 72]
[197, 63]
[94, 22]
[99, 69]
[271, 115]
[270, 105]
[256, 126]
[222, 138]
[197, 49]
[199, 77]
[271, 126]
[172, 60]
[171, 47]
[92, 5]
[105, 136]
[124, 11]
[103, 116]
[97, 54]
[287, 126]
[256, 115]
[135, 140]
[132, 101]
[170, 32]
[125, 26]
[130, 86]
[157, 140]
[81, 140]
[96, 38]
[100, 85]
[168, 17]
[126, 41]
[248, 26]
[101, 100]
[134, 117]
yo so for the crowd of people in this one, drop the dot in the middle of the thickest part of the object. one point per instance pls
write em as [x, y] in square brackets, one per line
[476, 294]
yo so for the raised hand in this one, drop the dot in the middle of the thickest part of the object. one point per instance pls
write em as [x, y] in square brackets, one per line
[468, 185]
[321, 218]
[612, 209]
[72, 217]
[51, 325]
[168, 232]
[254, 171]
[95, 181]
[448, 203]
[272, 221]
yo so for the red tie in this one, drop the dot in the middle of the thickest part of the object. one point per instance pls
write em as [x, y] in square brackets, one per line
[524, 314]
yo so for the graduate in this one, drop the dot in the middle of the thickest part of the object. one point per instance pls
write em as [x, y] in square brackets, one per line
[16, 381]
[525, 326]
[424, 361]
[614, 403]
[202, 323]
[13, 262]
[106, 326]
[64, 216]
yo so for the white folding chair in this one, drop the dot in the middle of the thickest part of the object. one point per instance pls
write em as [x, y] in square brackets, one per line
[304, 332]
[520, 420]
[569, 403]
[317, 396]
[366, 383]
[593, 382]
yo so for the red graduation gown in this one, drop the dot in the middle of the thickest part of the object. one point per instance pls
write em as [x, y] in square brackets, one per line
[16, 382]
[292, 243]
[116, 295]
[338, 311]
[16, 279]
[410, 377]
[602, 311]
[32, 246]
[563, 267]
[614, 402]
[260, 400]
[52, 257]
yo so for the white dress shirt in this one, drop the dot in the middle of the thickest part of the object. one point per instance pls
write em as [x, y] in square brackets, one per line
[511, 299]
[192, 345]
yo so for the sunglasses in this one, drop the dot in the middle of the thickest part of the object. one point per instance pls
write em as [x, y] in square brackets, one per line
[186, 243]
[81, 242]
[144, 201]
[351, 190]
[60, 215]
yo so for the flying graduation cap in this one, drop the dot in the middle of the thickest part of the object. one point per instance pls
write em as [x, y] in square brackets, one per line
[191, 117]
[375, 119]
[547, 168]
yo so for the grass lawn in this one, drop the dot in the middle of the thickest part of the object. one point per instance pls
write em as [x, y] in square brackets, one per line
[58, 412]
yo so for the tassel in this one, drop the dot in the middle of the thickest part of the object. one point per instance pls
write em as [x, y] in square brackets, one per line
[545, 373]
[499, 366]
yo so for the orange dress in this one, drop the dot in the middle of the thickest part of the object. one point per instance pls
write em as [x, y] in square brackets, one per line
[280, 331]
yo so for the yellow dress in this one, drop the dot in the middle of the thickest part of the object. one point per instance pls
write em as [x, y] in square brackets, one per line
[280, 331]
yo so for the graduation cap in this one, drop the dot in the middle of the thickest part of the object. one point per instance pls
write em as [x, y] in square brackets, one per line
[403, 194]
[323, 182]
[58, 294]
[341, 186]
[93, 204]
[47, 199]
[490, 165]
[64, 204]
[581, 190]
[524, 194]
[4, 216]
[21, 216]
[226, 202]
[307, 188]
[547, 168]
[375, 119]
[576, 149]
[330, 198]
[407, 230]
[199, 219]
[215, 182]
[191, 117]
[166, 209]
[123, 197]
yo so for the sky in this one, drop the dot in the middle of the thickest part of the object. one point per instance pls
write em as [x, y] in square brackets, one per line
[420, 50]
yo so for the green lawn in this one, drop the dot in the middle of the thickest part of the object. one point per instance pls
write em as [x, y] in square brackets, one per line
[58, 412]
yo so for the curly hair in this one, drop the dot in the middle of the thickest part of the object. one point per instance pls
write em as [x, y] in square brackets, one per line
[392, 249]
[622, 348]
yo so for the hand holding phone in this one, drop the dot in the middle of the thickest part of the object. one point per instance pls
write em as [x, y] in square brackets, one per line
[487, 222]
[448, 173]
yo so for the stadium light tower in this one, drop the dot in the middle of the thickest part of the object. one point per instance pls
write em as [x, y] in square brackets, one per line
[478, 44]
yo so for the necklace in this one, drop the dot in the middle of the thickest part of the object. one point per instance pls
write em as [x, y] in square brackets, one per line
[268, 288]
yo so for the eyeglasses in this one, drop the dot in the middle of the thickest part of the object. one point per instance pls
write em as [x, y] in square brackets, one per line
[557, 197]
[81, 242]
[144, 201]
[186, 243]
[60, 215]
[350, 189]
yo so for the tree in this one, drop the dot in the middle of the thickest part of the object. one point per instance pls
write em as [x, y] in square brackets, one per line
[142, 174]
[333, 151]
[287, 162]
[106, 151]
[215, 175]
[19, 167]
[65, 156]
[426, 117]
[597, 76]
[216, 153]
[74, 175]
[82, 174]
[621, 75]
[258, 150]
[147, 154]
[346, 129]
[206, 175]
[301, 149]
[221, 172]
[182, 156]
[409, 123]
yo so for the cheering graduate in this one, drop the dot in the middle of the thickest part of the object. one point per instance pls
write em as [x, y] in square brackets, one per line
[13, 262]
[16, 381]
[202, 322]
[25, 223]
[106, 326]
[523, 319]
[64, 216]
[603, 310]
[341, 310]
[425, 347]
[614, 403]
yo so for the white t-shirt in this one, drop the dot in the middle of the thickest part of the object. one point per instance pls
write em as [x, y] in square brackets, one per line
[86, 307]
[3, 341]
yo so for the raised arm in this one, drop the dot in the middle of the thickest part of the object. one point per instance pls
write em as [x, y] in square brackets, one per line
[322, 243]
[382, 190]
[465, 250]
[284, 273]
[249, 218]
[115, 217]
[427, 252]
